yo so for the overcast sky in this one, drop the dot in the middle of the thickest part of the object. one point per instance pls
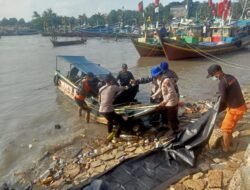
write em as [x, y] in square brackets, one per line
[25, 8]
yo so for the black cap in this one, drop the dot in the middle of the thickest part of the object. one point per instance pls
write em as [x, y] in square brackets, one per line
[90, 74]
[124, 66]
[213, 69]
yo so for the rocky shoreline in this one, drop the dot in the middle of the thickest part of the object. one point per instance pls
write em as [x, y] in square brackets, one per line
[225, 172]
[78, 160]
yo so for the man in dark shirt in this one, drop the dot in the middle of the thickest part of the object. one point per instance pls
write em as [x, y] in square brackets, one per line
[231, 99]
[124, 76]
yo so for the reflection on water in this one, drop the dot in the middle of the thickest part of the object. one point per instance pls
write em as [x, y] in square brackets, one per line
[31, 105]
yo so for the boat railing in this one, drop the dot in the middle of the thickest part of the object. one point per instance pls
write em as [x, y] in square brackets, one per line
[65, 79]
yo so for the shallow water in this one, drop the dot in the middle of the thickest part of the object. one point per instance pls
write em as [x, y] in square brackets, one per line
[31, 105]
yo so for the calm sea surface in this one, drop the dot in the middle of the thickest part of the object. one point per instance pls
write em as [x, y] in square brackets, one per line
[30, 105]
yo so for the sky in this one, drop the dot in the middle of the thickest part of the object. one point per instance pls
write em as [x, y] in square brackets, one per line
[25, 8]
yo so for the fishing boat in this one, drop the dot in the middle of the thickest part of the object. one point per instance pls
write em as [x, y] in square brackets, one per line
[67, 82]
[149, 47]
[67, 43]
[221, 40]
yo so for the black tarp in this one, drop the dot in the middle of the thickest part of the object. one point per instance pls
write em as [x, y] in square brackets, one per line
[161, 167]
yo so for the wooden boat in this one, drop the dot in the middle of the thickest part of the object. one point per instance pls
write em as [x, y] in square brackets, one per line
[68, 85]
[66, 43]
[216, 45]
[147, 49]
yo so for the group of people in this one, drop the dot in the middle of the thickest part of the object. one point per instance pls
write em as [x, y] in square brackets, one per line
[111, 91]
[165, 93]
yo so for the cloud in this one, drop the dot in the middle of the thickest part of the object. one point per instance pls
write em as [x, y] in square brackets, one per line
[15, 8]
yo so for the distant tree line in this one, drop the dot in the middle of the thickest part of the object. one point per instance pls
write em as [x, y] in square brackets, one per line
[49, 20]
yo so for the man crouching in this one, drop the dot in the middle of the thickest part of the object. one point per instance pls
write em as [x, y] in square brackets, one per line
[107, 94]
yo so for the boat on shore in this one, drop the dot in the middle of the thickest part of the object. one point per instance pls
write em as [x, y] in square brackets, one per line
[134, 112]
[67, 43]
[149, 47]
[224, 39]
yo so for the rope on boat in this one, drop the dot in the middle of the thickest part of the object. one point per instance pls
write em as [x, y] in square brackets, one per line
[215, 58]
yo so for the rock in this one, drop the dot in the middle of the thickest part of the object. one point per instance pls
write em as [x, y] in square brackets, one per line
[114, 151]
[232, 164]
[204, 167]
[148, 147]
[184, 178]
[245, 177]
[119, 154]
[82, 177]
[245, 133]
[217, 160]
[56, 184]
[96, 163]
[219, 166]
[237, 157]
[71, 170]
[141, 142]
[198, 175]
[214, 179]
[101, 169]
[131, 149]
[139, 150]
[107, 157]
[235, 134]
[47, 180]
[106, 149]
[146, 141]
[235, 182]
[198, 184]
[178, 186]
[120, 148]
[215, 138]
[227, 176]
[243, 143]
[111, 163]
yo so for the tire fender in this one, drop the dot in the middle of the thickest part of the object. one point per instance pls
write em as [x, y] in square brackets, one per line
[56, 79]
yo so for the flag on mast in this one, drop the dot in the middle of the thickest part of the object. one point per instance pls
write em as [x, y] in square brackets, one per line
[140, 7]
[210, 3]
[156, 3]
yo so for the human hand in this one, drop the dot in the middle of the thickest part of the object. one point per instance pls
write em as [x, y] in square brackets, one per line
[162, 104]
[132, 81]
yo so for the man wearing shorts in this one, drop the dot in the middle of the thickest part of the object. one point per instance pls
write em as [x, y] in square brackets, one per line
[231, 99]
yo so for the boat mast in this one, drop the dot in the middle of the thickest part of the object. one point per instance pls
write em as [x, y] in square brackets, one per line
[245, 8]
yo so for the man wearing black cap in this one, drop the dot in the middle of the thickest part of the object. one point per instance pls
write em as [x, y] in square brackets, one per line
[231, 99]
[107, 94]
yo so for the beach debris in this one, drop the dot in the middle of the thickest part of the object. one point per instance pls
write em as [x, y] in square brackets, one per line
[58, 126]
[97, 156]
[30, 146]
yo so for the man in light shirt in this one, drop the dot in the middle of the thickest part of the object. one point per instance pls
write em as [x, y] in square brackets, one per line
[107, 95]
[169, 105]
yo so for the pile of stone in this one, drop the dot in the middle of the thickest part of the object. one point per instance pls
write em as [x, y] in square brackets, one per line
[108, 154]
[89, 164]
[218, 171]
